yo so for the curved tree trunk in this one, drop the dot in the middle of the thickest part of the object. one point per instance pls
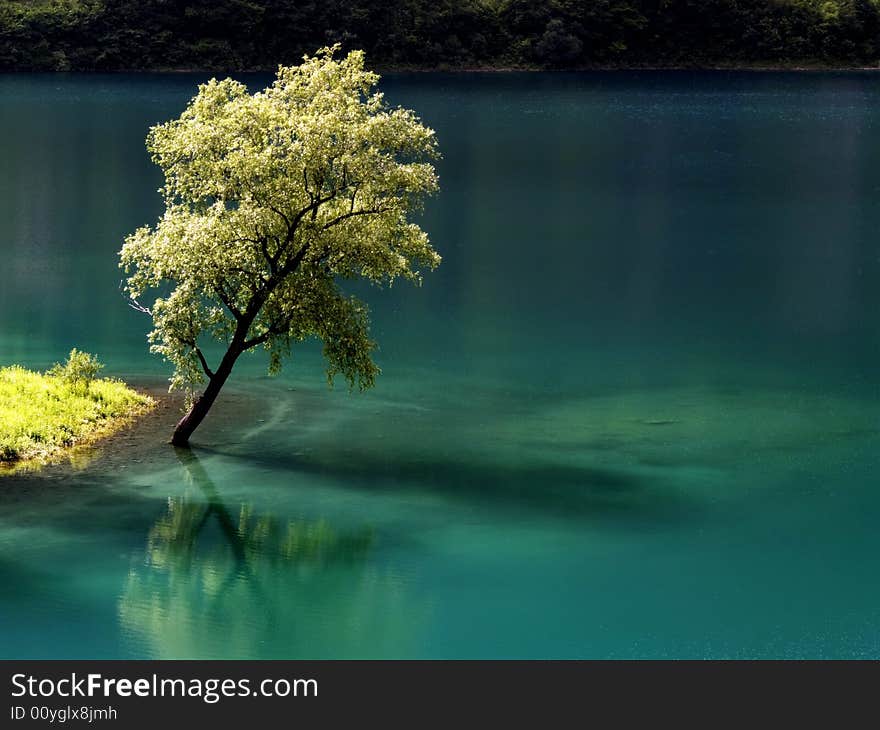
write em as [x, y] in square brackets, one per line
[190, 422]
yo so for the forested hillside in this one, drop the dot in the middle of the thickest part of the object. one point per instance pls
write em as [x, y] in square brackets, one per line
[251, 34]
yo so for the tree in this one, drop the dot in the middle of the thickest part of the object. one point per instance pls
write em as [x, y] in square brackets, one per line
[558, 47]
[271, 199]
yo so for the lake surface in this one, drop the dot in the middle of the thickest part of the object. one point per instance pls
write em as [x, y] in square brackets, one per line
[635, 413]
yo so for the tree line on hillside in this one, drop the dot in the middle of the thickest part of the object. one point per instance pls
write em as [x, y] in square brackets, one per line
[259, 34]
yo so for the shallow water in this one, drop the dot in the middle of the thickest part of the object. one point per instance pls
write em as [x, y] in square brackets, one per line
[635, 413]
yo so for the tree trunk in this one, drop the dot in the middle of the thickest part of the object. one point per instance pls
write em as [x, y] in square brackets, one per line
[190, 422]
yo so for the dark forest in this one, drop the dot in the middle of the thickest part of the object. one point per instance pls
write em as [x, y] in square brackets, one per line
[110, 35]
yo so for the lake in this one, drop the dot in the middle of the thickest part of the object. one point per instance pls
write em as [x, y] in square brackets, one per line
[635, 412]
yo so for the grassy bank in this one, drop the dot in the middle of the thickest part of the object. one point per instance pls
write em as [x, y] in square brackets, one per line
[41, 414]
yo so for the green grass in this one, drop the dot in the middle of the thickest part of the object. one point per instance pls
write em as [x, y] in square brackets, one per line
[43, 414]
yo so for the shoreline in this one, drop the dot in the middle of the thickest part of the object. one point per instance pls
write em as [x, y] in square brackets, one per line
[87, 445]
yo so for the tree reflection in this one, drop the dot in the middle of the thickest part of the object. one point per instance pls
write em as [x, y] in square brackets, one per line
[248, 585]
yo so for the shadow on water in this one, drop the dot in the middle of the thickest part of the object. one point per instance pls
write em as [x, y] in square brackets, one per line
[598, 475]
[550, 488]
[642, 455]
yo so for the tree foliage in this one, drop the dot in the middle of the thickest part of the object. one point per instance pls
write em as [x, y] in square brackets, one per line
[271, 199]
[254, 34]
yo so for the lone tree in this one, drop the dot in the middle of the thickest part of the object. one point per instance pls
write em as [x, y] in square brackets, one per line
[271, 198]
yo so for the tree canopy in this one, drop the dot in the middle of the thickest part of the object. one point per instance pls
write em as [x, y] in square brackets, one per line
[271, 199]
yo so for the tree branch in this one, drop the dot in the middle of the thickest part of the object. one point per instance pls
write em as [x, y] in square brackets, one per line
[137, 306]
[279, 328]
[264, 249]
[204, 363]
[227, 301]
[258, 340]
[352, 214]
[313, 206]
[278, 212]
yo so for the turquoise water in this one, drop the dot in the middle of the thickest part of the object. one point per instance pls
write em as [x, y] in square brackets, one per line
[635, 413]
